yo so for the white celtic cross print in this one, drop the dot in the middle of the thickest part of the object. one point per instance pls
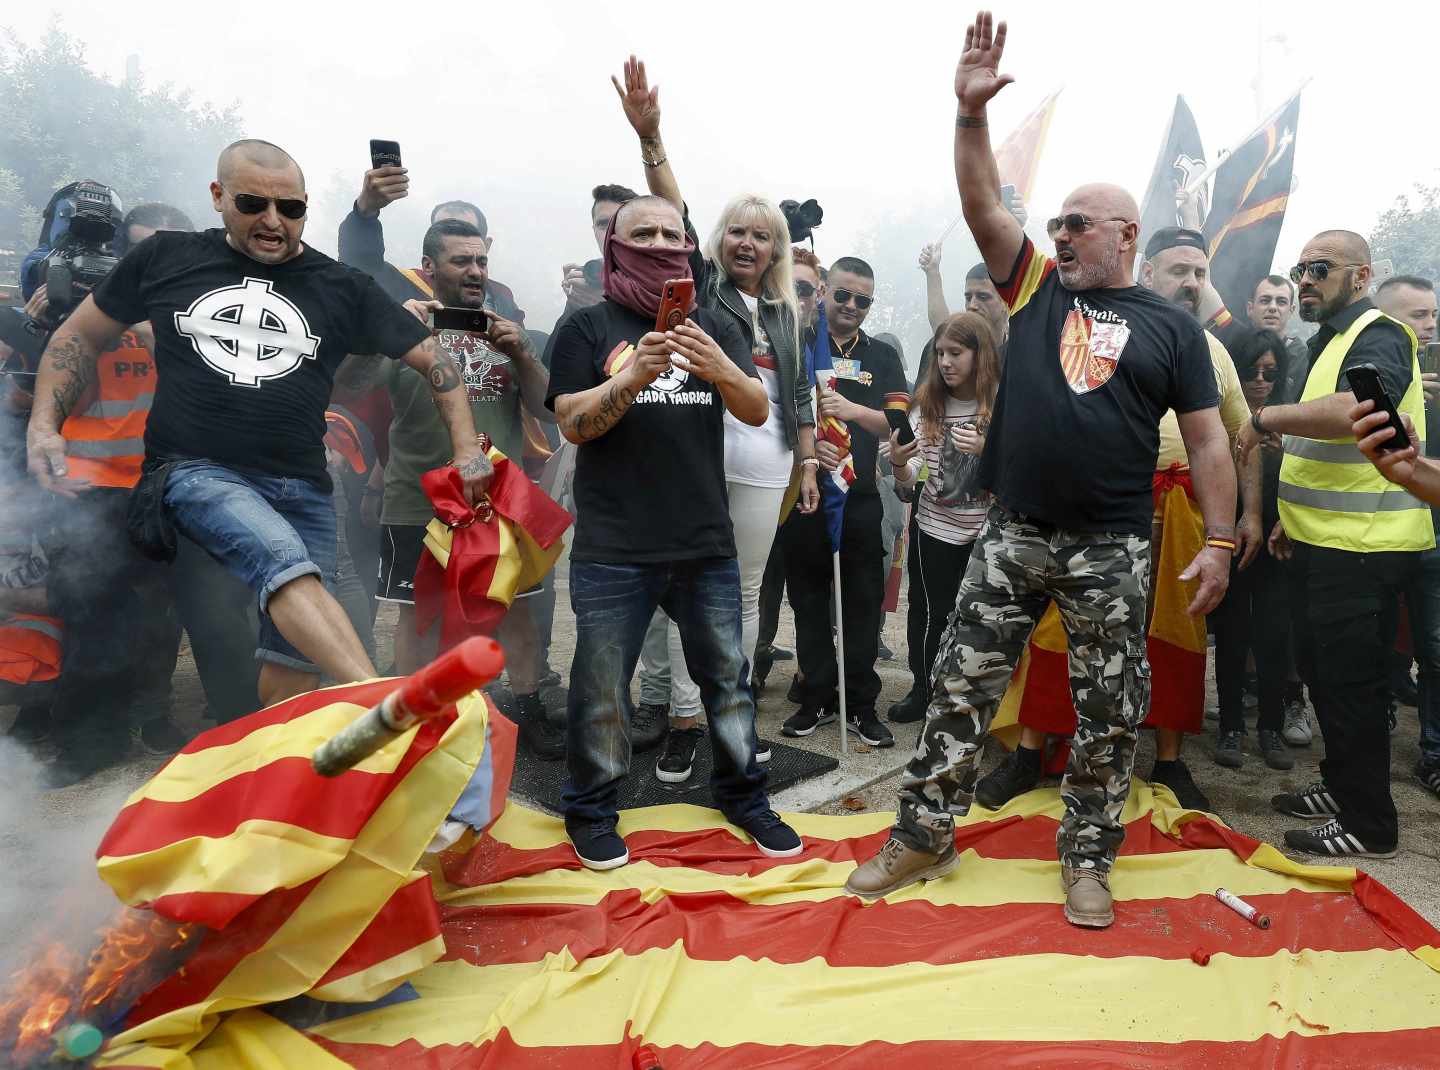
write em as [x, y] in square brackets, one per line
[248, 333]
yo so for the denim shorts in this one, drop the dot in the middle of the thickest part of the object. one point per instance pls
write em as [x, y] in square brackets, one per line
[267, 530]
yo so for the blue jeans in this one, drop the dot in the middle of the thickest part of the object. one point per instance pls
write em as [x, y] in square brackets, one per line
[1423, 601]
[267, 530]
[613, 605]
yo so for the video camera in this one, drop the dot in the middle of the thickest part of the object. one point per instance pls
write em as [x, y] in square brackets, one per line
[81, 222]
[801, 218]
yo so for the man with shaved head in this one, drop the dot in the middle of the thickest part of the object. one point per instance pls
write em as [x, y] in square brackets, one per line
[250, 325]
[1355, 541]
[1093, 362]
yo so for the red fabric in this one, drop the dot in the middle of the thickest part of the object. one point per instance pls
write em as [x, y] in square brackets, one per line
[1177, 475]
[634, 275]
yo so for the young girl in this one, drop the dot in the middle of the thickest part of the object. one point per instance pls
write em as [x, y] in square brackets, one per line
[949, 418]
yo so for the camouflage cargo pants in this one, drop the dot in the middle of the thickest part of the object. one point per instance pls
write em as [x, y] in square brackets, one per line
[1099, 584]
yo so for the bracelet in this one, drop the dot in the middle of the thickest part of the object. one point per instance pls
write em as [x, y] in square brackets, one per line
[652, 163]
[807, 462]
[1255, 423]
[971, 122]
[1222, 544]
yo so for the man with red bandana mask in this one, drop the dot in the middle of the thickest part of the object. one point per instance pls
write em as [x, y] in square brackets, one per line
[646, 410]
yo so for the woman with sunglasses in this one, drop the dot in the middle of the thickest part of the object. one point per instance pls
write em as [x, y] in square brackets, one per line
[1254, 613]
[745, 272]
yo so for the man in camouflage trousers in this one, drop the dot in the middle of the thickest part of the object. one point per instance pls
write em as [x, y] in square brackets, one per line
[1092, 363]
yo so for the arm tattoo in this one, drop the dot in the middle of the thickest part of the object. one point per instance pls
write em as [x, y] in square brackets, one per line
[444, 376]
[970, 122]
[75, 366]
[477, 467]
[612, 406]
[1219, 531]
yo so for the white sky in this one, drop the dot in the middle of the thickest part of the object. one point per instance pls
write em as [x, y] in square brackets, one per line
[509, 105]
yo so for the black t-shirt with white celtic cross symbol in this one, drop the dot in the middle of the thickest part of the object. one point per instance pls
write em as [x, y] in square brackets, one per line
[245, 352]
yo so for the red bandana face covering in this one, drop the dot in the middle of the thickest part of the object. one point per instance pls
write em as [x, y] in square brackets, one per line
[634, 275]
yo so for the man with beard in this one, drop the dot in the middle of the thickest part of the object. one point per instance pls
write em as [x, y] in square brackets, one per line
[1355, 542]
[1093, 364]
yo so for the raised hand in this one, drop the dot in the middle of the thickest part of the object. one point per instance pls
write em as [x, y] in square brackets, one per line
[382, 185]
[930, 257]
[977, 77]
[641, 103]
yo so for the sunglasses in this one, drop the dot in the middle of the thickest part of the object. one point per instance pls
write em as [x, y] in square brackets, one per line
[804, 289]
[250, 204]
[1268, 374]
[1319, 270]
[843, 297]
[1076, 223]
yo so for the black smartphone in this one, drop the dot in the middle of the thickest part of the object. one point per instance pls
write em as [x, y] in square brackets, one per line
[384, 153]
[900, 424]
[1364, 380]
[474, 320]
[1430, 362]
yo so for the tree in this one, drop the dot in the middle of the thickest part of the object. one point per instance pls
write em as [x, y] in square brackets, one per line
[64, 121]
[1409, 235]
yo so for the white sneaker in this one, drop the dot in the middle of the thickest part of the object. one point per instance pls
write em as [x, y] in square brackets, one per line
[1297, 731]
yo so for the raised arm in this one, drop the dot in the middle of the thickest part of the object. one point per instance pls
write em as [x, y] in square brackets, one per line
[977, 80]
[936, 308]
[67, 367]
[642, 108]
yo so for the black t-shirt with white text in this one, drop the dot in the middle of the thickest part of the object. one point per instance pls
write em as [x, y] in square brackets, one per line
[245, 352]
[1087, 376]
[652, 487]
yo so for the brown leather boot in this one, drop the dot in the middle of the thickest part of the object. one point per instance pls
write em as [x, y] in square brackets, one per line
[897, 866]
[1087, 898]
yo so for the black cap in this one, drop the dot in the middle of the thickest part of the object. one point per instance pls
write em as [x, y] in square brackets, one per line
[1174, 237]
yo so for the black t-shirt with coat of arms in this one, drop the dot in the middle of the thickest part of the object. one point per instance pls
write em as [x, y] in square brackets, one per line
[1087, 376]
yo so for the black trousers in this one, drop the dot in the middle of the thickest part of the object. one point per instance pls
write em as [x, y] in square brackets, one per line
[1253, 615]
[772, 592]
[1345, 607]
[809, 572]
[935, 568]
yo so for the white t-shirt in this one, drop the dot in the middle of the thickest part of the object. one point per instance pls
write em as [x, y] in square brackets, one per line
[758, 456]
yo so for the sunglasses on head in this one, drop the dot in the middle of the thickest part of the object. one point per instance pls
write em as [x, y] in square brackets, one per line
[1319, 270]
[804, 289]
[1077, 223]
[843, 297]
[250, 204]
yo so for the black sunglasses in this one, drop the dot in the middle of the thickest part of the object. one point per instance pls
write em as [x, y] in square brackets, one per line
[1076, 223]
[1268, 374]
[1319, 270]
[843, 296]
[804, 289]
[250, 204]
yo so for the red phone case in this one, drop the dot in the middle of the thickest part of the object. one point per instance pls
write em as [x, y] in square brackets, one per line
[675, 301]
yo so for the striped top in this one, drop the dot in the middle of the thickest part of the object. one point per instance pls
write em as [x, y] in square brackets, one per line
[952, 506]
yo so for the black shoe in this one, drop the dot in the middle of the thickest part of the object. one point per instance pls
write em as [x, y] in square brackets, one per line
[868, 727]
[1404, 691]
[76, 765]
[779, 653]
[543, 739]
[794, 695]
[549, 678]
[31, 725]
[596, 843]
[883, 652]
[805, 720]
[909, 709]
[1274, 751]
[1331, 840]
[678, 761]
[774, 838]
[1314, 801]
[1176, 776]
[1228, 750]
[1014, 776]
[762, 751]
[160, 737]
[1428, 773]
[648, 725]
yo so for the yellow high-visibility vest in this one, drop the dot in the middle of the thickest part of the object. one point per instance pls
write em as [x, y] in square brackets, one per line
[1330, 495]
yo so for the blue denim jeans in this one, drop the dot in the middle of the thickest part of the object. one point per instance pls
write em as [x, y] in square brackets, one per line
[1423, 601]
[267, 530]
[613, 605]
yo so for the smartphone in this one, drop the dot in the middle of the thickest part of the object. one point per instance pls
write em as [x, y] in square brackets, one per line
[675, 299]
[473, 320]
[1365, 382]
[384, 153]
[900, 424]
[594, 273]
[1430, 359]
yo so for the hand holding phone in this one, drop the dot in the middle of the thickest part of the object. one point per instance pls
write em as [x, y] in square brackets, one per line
[469, 320]
[676, 297]
[384, 153]
[386, 181]
[900, 425]
[1365, 383]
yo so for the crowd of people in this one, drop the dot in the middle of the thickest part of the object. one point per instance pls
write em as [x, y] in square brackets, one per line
[228, 436]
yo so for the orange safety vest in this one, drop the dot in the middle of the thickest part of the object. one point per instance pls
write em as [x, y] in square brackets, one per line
[105, 434]
[29, 648]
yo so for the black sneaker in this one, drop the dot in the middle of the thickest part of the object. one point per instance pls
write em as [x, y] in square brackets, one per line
[774, 838]
[1228, 750]
[648, 725]
[543, 739]
[1014, 776]
[805, 720]
[762, 751]
[678, 761]
[883, 652]
[909, 709]
[793, 694]
[596, 843]
[1274, 751]
[779, 653]
[1314, 801]
[1331, 840]
[1428, 773]
[160, 737]
[1176, 776]
[868, 727]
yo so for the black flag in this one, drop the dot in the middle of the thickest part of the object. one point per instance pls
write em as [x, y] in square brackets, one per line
[1252, 187]
[1182, 158]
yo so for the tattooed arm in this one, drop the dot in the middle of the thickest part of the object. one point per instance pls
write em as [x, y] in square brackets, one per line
[448, 390]
[588, 414]
[66, 369]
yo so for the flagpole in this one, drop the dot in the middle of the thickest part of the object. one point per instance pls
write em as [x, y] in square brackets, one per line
[950, 229]
[1199, 180]
[840, 658]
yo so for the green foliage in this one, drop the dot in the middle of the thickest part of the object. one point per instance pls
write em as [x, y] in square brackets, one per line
[63, 122]
[1409, 234]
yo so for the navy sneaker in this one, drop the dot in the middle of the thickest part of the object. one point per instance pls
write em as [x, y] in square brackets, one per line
[774, 838]
[596, 843]
[1331, 840]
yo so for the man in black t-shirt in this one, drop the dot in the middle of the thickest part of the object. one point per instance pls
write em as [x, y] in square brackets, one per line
[869, 379]
[1093, 362]
[250, 326]
[652, 525]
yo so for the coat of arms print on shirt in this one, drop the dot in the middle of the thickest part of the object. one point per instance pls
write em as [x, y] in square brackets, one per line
[1090, 349]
